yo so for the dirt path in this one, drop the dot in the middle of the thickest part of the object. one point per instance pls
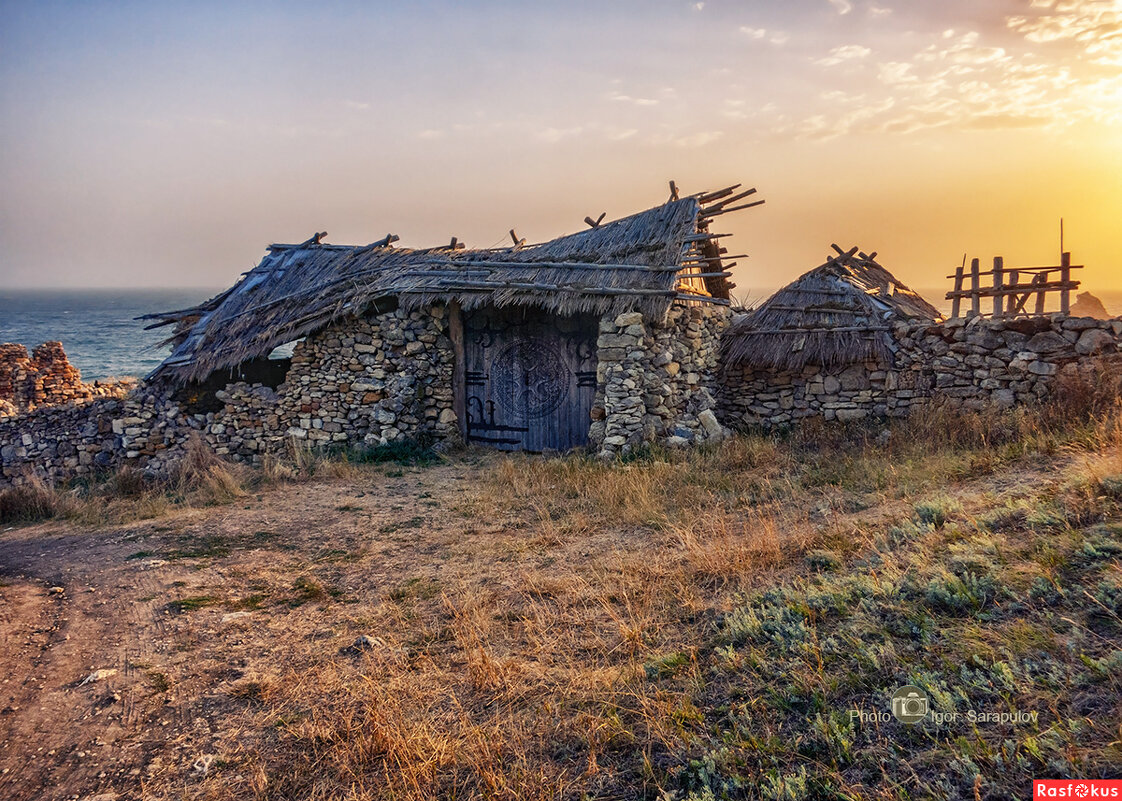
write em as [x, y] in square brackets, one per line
[103, 602]
[178, 618]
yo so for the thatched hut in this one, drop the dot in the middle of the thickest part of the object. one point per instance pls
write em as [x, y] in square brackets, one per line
[539, 347]
[821, 345]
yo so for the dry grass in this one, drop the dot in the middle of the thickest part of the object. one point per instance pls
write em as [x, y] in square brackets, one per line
[567, 629]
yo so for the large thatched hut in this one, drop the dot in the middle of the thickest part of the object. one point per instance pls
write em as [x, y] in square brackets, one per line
[823, 345]
[606, 337]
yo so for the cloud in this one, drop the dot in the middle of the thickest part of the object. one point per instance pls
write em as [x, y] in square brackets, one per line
[1092, 28]
[894, 73]
[553, 135]
[842, 6]
[430, 134]
[683, 140]
[842, 54]
[357, 105]
[697, 6]
[878, 11]
[699, 139]
[638, 101]
[774, 37]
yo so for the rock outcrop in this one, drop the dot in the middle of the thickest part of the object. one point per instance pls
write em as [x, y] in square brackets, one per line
[1087, 305]
[46, 378]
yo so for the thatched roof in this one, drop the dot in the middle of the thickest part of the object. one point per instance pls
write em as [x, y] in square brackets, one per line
[643, 262]
[839, 313]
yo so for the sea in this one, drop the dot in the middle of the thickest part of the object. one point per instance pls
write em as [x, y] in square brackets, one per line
[102, 337]
[98, 328]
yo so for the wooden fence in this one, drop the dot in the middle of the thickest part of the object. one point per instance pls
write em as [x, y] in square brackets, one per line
[1013, 288]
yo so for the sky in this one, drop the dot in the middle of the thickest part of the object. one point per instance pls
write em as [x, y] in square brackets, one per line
[159, 144]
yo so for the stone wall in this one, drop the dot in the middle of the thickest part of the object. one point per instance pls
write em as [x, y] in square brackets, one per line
[361, 381]
[46, 378]
[973, 364]
[851, 392]
[657, 381]
[370, 380]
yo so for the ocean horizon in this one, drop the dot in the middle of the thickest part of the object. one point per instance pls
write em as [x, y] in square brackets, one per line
[98, 328]
[99, 331]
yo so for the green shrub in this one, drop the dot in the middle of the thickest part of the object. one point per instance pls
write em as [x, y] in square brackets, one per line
[970, 592]
[825, 561]
[666, 666]
[937, 511]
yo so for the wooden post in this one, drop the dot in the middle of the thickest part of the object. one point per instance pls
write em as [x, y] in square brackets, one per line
[1011, 305]
[1041, 279]
[1065, 277]
[998, 286]
[459, 367]
[975, 282]
[957, 304]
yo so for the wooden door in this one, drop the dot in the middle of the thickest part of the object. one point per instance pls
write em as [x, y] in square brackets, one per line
[529, 378]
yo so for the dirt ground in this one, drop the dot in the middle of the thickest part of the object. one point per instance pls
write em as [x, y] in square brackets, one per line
[76, 603]
[136, 660]
[126, 650]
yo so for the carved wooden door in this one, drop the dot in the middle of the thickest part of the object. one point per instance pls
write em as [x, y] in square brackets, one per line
[530, 378]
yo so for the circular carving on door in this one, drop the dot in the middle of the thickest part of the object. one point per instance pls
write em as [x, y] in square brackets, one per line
[531, 376]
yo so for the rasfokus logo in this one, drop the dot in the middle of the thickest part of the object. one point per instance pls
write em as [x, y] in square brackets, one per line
[1078, 789]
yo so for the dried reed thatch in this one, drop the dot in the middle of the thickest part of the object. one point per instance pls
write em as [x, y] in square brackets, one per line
[643, 262]
[839, 313]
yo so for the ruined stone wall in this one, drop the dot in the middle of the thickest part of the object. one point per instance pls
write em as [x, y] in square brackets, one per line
[46, 378]
[370, 380]
[362, 381]
[974, 365]
[657, 381]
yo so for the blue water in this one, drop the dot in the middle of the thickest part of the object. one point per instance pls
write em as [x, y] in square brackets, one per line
[96, 327]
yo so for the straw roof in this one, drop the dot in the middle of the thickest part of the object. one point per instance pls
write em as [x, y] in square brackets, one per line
[639, 263]
[839, 313]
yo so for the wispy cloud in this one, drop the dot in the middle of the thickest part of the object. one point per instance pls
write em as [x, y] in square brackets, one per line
[638, 101]
[843, 53]
[842, 6]
[759, 34]
[1093, 27]
[699, 139]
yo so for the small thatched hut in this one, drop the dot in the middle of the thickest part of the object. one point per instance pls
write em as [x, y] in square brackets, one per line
[608, 336]
[821, 345]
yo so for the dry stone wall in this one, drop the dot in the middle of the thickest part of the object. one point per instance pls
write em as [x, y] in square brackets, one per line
[974, 364]
[46, 378]
[362, 381]
[657, 381]
[365, 381]
[380, 379]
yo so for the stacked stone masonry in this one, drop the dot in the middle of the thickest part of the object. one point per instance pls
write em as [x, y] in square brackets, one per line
[46, 378]
[974, 364]
[380, 379]
[362, 381]
[657, 381]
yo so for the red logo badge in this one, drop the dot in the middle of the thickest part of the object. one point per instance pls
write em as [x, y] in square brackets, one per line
[1077, 789]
